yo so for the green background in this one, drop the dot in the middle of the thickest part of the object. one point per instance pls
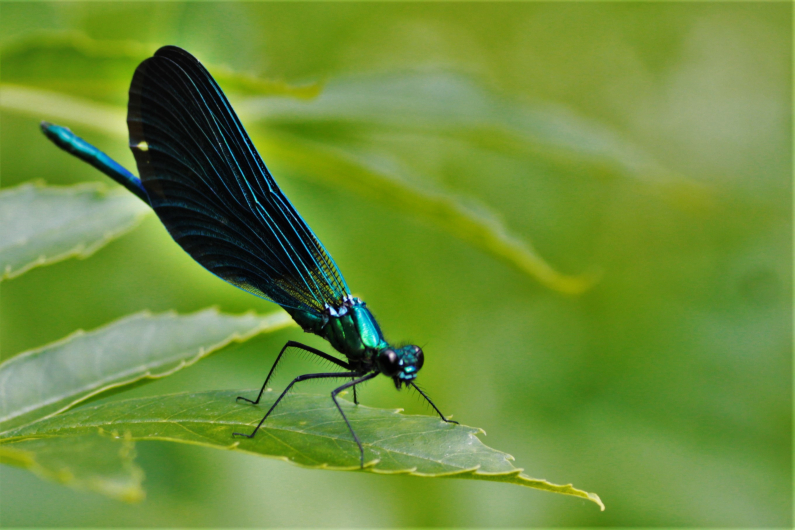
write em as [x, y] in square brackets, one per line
[666, 388]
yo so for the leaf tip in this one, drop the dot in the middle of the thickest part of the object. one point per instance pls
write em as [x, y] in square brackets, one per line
[595, 498]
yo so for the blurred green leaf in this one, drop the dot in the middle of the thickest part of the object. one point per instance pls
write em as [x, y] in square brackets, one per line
[42, 382]
[306, 430]
[41, 225]
[465, 219]
[84, 461]
[369, 111]
[60, 62]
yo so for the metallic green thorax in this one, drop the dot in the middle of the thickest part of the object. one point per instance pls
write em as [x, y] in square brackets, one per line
[351, 329]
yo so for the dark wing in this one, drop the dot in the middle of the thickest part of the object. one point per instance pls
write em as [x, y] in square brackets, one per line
[210, 188]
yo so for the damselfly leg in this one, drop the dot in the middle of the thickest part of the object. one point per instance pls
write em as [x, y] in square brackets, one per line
[423, 394]
[297, 345]
[298, 379]
[344, 417]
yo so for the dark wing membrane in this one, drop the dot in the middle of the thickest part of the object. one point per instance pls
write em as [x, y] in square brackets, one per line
[210, 188]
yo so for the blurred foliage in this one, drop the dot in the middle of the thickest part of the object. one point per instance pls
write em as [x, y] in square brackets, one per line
[42, 225]
[666, 387]
[59, 61]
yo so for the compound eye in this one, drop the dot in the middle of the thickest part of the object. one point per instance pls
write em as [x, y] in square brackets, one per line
[420, 357]
[389, 362]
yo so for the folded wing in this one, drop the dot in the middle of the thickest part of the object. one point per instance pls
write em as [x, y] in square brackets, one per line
[212, 191]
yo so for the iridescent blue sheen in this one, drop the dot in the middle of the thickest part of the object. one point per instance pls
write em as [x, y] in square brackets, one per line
[73, 144]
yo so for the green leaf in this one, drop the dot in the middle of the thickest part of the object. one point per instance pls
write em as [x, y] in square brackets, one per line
[42, 382]
[73, 64]
[306, 429]
[404, 110]
[87, 461]
[465, 219]
[41, 225]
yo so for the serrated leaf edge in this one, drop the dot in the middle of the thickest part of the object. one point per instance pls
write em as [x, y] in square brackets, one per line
[273, 322]
[81, 250]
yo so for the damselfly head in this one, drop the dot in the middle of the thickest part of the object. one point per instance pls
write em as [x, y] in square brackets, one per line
[401, 364]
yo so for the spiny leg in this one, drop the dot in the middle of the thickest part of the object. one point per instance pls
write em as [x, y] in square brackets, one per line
[294, 344]
[344, 417]
[355, 398]
[431, 402]
[298, 379]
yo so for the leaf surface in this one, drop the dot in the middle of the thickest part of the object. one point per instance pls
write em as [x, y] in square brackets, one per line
[305, 429]
[51, 379]
[88, 461]
[41, 225]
